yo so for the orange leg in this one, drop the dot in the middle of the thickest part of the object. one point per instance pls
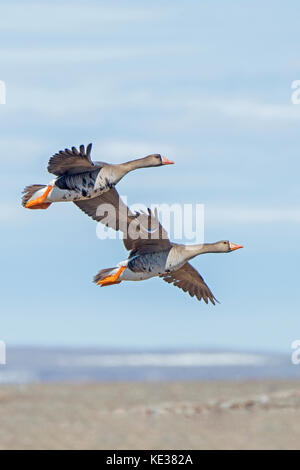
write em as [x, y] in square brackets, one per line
[110, 280]
[39, 202]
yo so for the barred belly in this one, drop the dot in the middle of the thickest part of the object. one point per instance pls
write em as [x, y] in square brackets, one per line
[77, 187]
[153, 264]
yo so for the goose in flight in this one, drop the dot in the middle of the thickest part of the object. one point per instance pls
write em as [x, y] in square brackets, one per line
[153, 254]
[78, 178]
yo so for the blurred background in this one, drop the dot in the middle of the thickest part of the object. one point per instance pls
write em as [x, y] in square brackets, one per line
[208, 85]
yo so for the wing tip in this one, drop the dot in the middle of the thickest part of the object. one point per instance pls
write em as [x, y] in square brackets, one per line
[55, 163]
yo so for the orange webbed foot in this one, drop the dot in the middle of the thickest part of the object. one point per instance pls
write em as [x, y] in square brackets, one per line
[110, 280]
[39, 202]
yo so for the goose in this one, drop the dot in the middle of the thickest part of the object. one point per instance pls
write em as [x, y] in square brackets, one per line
[153, 254]
[79, 179]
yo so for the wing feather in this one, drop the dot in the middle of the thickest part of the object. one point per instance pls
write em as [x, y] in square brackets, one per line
[146, 234]
[189, 280]
[70, 162]
[117, 216]
[142, 232]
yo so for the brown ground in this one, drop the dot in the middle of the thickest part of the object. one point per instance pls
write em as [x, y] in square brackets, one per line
[203, 415]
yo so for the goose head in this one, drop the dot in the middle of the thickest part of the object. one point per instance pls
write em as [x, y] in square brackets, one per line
[154, 159]
[190, 251]
[225, 246]
[118, 171]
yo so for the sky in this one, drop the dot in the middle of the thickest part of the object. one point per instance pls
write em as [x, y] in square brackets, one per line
[208, 85]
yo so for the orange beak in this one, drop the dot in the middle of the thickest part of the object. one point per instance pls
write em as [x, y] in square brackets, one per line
[165, 161]
[233, 246]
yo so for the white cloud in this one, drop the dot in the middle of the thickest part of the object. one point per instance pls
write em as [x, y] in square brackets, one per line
[65, 18]
[50, 56]
[251, 215]
[236, 109]
[256, 110]
[16, 151]
[77, 103]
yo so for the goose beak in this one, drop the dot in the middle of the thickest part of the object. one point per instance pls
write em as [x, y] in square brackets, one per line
[233, 246]
[165, 161]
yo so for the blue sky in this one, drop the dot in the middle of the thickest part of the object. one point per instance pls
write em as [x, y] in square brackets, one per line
[207, 84]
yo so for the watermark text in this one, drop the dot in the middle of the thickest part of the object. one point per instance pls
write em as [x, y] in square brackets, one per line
[2, 353]
[160, 221]
[2, 92]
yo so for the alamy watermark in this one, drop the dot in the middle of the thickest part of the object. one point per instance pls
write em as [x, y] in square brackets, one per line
[295, 357]
[159, 221]
[295, 96]
[2, 92]
[2, 353]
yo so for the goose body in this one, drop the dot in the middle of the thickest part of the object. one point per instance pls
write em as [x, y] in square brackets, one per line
[90, 185]
[79, 179]
[142, 267]
[157, 256]
[77, 187]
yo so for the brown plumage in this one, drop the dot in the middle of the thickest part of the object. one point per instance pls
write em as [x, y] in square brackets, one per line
[71, 162]
[152, 254]
[92, 207]
[80, 179]
[189, 280]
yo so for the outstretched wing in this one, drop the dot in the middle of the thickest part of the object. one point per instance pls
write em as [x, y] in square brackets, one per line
[142, 232]
[71, 162]
[146, 234]
[189, 280]
[107, 208]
